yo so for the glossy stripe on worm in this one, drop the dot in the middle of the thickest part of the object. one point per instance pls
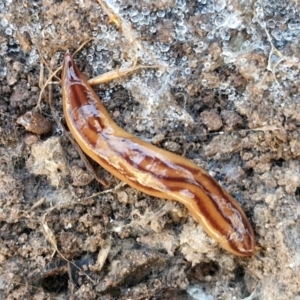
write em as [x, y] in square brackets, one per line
[152, 170]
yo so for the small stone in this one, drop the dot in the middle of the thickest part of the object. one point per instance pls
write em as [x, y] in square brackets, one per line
[123, 197]
[35, 122]
[158, 138]
[79, 176]
[30, 139]
[295, 148]
[231, 119]
[211, 119]
[172, 146]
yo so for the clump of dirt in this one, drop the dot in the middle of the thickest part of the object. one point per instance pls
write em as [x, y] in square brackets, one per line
[226, 95]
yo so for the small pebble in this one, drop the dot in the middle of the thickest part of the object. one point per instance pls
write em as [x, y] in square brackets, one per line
[35, 122]
[211, 119]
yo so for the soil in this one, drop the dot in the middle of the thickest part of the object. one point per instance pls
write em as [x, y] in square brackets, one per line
[225, 93]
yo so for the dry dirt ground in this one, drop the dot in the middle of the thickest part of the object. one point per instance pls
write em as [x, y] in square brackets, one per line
[226, 95]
